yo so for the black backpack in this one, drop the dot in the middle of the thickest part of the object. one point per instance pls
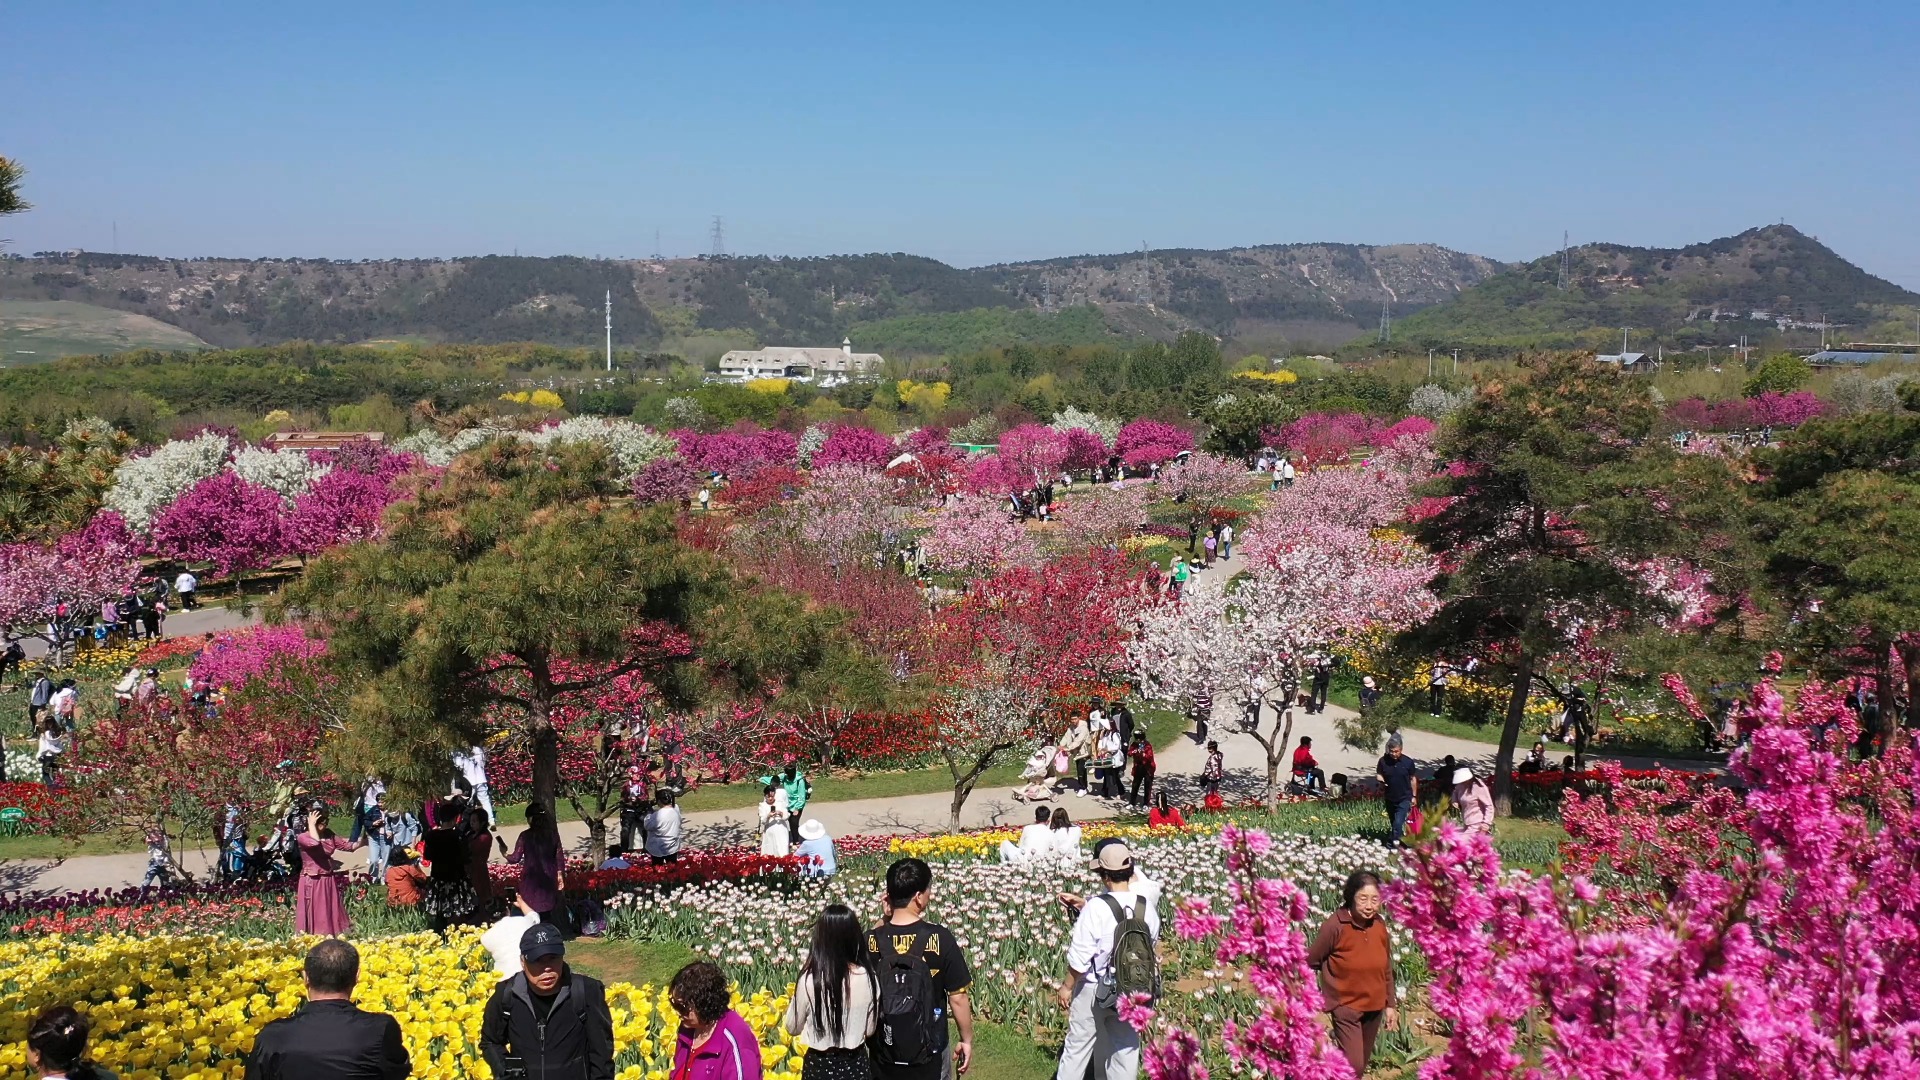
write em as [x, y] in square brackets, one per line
[911, 1028]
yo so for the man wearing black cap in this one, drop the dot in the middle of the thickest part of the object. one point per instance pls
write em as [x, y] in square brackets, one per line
[548, 1022]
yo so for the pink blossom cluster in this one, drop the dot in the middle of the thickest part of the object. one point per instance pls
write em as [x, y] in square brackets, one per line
[974, 537]
[850, 445]
[235, 656]
[1149, 442]
[78, 570]
[1289, 1038]
[738, 452]
[1781, 938]
[1770, 409]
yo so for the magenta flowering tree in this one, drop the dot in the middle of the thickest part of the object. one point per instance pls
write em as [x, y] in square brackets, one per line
[342, 507]
[1692, 413]
[224, 520]
[670, 479]
[991, 474]
[1149, 442]
[1035, 451]
[1413, 427]
[1326, 438]
[1795, 952]
[1288, 1038]
[929, 440]
[974, 538]
[234, 657]
[1786, 410]
[850, 445]
[1086, 450]
[739, 452]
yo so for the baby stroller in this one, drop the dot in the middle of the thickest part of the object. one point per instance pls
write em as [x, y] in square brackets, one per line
[1039, 766]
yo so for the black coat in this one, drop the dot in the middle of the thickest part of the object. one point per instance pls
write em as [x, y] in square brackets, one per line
[575, 1043]
[330, 1040]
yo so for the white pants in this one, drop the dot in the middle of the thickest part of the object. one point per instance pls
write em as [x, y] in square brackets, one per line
[1098, 1034]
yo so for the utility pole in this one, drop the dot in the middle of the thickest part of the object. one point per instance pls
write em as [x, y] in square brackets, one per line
[609, 329]
[1386, 321]
[1623, 339]
[1563, 260]
[1456, 361]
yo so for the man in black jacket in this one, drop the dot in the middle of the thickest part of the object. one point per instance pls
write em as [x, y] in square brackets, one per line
[547, 1023]
[330, 1038]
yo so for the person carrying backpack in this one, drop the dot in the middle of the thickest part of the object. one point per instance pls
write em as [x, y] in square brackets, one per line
[1110, 956]
[923, 979]
[548, 1022]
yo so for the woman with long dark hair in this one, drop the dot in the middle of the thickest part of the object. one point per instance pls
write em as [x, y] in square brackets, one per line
[537, 853]
[834, 1006]
[1354, 957]
[57, 1045]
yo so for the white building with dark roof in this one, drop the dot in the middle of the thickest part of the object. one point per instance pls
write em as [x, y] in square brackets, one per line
[793, 362]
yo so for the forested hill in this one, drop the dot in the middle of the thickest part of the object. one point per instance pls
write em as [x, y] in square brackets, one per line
[1312, 293]
[1761, 281]
[897, 301]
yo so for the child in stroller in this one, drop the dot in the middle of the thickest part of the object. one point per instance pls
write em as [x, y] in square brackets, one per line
[1038, 768]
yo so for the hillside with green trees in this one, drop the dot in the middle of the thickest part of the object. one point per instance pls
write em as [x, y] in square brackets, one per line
[1761, 282]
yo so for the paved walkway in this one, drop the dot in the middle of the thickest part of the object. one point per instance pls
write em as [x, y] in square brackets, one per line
[179, 624]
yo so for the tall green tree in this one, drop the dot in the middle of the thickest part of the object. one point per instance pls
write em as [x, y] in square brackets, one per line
[1550, 507]
[1840, 511]
[513, 583]
[1780, 373]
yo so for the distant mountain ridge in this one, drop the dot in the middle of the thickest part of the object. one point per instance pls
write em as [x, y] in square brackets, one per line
[1322, 292]
[233, 302]
[1770, 278]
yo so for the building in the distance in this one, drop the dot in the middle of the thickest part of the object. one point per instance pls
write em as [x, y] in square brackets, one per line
[792, 362]
[321, 440]
[1638, 362]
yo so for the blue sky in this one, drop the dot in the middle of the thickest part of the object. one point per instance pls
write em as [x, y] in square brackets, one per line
[971, 133]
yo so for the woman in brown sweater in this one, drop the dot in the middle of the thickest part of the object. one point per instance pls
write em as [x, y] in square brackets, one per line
[1354, 957]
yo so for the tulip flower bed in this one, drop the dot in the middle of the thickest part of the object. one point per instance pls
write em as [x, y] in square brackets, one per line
[1006, 917]
[32, 798]
[188, 1008]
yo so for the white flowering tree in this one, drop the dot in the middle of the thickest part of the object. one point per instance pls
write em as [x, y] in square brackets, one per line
[1313, 590]
[143, 486]
[1073, 416]
[289, 473]
[632, 445]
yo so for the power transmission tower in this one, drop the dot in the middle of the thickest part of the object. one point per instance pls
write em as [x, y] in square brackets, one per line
[1046, 295]
[719, 238]
[1563, 262]
[1386, 321]
[656, 246]
[1142, 289]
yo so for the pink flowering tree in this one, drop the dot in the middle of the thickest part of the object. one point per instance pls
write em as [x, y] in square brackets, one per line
[1786, 410]
[342, 507]
[974, 538]
[991, 474]
[234, 658]
[224, 520]
[46, 588]
[1317, 586]
[1149, 442]
[1789, 953]
[738, 452]
[1413, 427]
[846, 515]
[1106, 515]
[1086, 450]
[1035, 452]
[1288, 1037]
[670, 479]
[850, 445]
[1327, 438]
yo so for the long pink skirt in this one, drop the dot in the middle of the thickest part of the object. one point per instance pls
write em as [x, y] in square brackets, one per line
[320, 905]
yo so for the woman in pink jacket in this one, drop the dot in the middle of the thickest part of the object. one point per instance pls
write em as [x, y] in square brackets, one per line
[715, 1043]
[1470, 794]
